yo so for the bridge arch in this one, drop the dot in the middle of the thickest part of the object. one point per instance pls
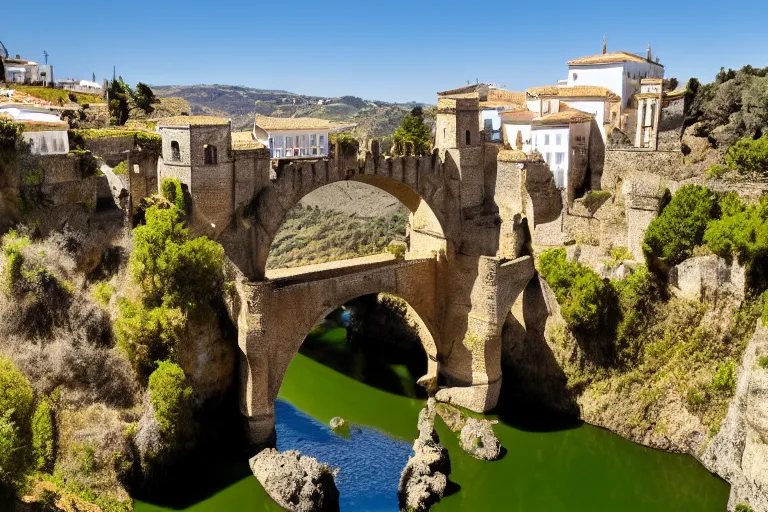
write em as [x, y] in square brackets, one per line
[281, 313]
[419, 183]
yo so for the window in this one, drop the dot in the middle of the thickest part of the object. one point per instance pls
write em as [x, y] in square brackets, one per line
[559, 159]
[313, 144]
[288, 145]
[322, 145]
[468, 138]
[558, 139]
[548, 159]
[575, 76]
[211, 157]
[175, 151]
[546, 140]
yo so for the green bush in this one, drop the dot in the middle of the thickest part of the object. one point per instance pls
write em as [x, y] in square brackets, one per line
[742, 507]
[725, 377]
[696, 397]
[121, 169]
[672, 236]
[148, 335]
[42, 436]
[13, 244]
[16, 400]
[102, 292]
[742, 231]
[171, 190]
[10, 134]
[717, 171]
[637, 296]
[763, 362]
[171, 268]
[586, 301]
[171, 398]
[749, 156]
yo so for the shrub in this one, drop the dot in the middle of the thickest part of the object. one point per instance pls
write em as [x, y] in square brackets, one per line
[16, 393]
[12, 452]
[742, 231]
[42, 436]
[717, 171]
[742, 507]
[749, 156]
[672, 236]
[621, 253]
[102, 292]
[13, 244]
[171, 268]
[10, 134]
[348, 145]
[696, 397]
[147, 335]
[763, 362]
[171, 398]
[725, 377]
[173, 192]
[397, 249]
[637, 295]
[586, 300]
[121, 169]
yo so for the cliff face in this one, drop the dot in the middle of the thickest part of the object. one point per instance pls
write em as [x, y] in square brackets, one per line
[669, 399]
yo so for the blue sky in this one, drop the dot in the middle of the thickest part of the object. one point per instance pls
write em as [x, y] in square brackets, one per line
[393, 51]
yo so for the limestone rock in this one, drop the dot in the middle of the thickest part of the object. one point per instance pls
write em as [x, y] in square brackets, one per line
[708, 276]
[297, 483]
[452, 417]
[478, 439]
[425, 476]
[340, 426]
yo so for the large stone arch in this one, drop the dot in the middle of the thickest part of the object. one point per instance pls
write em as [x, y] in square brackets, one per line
[422, 184]
[276, 316]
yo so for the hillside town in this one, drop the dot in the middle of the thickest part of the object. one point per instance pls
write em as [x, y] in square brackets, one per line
[533, 288]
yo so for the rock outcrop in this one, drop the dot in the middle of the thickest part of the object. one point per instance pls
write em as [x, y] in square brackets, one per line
[478, 439]
[425, 477]
[297, 483]
[739, 452]
[340, 426]
[708, 277]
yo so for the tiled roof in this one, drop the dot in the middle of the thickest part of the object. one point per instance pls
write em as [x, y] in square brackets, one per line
[292, 123]
[245, 140]
[517, 116]
[462, 90]
[609, 58]
[502, 95]
[39, 126]
[192, 121]
[577, 91]
[563, 117]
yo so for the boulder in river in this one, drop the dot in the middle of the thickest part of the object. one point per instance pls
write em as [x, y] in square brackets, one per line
[340, 426]
[478, 439]
[425, 476]
[297, 483]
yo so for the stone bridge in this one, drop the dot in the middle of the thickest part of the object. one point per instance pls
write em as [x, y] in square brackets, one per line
[466, 263]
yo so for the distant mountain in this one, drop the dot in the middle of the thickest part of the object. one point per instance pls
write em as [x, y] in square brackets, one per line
[241, 104]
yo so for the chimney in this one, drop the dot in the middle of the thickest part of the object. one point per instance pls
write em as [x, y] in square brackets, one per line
[649, 52]
[605, 45]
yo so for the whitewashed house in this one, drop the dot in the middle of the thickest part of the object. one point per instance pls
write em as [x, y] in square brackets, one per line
[619, 72]
[516, 128]
[597, 100]
[295, 137]
[44, 132]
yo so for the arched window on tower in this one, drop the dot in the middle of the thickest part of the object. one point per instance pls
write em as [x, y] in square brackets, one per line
[175, 151]
[211, 157]
[468, 138]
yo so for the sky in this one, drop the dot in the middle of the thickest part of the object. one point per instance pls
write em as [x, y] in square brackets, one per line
[397, 51]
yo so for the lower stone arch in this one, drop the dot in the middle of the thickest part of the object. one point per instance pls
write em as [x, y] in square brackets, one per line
[273, 341]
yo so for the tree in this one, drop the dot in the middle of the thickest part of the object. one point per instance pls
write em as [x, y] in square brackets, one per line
[672, 236]
[123, 100]
[519, 140]
[413, 130]
[16, 400]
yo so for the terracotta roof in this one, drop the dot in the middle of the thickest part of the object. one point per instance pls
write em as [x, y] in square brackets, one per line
[518, 116]
[609, 58]
[294, 123]
[577, 91]
[651, 80]
[675, 95]
[563, 117]
[192, 121]
[461, 90]
[39, 126]
[502, 95]
[245, 140]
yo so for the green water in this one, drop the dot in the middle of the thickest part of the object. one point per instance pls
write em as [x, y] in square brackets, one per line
[560, 467]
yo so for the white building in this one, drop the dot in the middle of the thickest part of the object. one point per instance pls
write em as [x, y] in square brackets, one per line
[84, 86]
[562, 139]
[44, 132]
[619, 72]
[295, 137]
[597, 100]
[516, 126]
[493, 101]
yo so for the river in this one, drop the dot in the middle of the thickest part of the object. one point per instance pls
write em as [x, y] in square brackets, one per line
[551, 464]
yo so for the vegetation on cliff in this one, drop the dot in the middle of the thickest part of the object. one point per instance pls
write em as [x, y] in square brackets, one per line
[412, 133]
[315, 235]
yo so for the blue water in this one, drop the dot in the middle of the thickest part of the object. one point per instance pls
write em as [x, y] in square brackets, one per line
[371, 461]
